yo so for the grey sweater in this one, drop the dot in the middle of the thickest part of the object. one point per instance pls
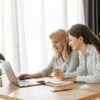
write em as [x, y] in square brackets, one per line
[69, 65]
[89, 67]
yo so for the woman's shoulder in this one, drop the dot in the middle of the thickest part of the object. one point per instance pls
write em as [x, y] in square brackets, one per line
[54, 58]
[75, 53]
[91, 49]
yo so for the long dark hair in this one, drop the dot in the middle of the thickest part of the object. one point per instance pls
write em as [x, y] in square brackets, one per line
[88, 35]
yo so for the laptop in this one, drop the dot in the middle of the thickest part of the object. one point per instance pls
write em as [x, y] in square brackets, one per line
[12, 78]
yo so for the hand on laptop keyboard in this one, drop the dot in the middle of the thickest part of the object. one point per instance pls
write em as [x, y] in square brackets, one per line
[24, 76]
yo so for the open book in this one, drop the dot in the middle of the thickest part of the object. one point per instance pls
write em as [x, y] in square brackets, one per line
[54, 82]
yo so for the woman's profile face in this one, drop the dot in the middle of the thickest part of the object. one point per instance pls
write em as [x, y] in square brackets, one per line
[57, 45]
[75, 43]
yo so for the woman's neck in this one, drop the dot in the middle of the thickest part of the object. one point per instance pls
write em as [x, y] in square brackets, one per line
[83, 48]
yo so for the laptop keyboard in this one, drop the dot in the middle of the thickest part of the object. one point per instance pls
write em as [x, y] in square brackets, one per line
[24, 83]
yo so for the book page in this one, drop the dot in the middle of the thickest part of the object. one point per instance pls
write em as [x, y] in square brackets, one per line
[55, 82]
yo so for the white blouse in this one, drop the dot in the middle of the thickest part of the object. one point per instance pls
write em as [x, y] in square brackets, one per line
[89, 67]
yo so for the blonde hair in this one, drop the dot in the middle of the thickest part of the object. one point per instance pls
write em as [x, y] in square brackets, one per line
[62, 36]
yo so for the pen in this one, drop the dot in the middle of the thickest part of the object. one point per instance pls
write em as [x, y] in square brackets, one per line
[59, 90]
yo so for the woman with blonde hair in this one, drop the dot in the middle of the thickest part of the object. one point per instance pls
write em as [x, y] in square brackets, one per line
[63, 60]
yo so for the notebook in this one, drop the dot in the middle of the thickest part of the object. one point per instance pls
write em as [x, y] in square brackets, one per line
[12, 78]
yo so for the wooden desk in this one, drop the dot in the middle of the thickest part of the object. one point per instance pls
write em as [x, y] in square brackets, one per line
[43, 92]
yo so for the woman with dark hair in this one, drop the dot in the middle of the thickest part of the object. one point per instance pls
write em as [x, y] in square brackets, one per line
[82, 39]
[64, 59]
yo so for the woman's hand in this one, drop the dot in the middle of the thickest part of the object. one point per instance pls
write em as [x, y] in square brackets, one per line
[58, 73]
[25, 76]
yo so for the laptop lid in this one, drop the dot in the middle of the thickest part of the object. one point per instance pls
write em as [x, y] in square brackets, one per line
[12, 78]
[9, 72]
